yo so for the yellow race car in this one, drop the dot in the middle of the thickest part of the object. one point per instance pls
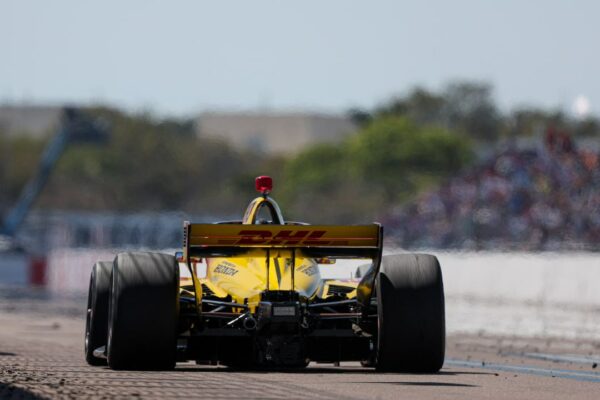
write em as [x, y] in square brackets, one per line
[253, 296]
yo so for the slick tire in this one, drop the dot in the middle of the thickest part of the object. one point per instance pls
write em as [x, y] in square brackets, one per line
[96, 323]
[144, 312]
[411, 316]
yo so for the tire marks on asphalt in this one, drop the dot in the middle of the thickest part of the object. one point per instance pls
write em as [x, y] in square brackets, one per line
[583, 376]
[564, 358]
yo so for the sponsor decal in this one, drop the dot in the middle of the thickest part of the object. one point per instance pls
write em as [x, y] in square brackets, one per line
[226, 269]
[284, 237]
[309, 270]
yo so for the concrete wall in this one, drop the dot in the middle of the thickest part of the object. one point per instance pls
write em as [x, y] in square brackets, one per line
[553, 279]
[522, 294]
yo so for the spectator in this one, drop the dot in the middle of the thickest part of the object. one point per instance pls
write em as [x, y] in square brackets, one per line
[520, 200]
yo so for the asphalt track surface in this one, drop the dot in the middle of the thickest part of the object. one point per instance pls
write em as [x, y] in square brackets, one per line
[41, 356]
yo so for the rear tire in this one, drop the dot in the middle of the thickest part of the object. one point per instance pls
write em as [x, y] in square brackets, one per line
[96, 324]
[411, 315]
[144, 311]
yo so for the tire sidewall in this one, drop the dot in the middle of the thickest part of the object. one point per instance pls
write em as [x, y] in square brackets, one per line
[143, 314]
[410, 314]
[97, 311]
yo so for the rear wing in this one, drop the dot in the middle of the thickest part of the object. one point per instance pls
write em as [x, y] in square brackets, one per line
[336, 241]
[315, 241]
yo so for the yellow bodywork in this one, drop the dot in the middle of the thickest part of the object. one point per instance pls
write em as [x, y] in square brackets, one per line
[271, 256]
[244, 278]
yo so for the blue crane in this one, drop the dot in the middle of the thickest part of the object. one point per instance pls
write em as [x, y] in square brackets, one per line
[75, 127]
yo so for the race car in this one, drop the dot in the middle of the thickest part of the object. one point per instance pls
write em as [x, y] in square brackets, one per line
[261, 301]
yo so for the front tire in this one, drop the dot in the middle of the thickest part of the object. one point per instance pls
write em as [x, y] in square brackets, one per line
[411, 314]
[144, 311]
[96, 324]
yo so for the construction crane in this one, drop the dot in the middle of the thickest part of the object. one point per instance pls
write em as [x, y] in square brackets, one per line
[76, 127]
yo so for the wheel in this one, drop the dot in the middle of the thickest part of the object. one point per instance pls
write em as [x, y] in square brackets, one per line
[143, 312]
[96, 323]
[410, 312]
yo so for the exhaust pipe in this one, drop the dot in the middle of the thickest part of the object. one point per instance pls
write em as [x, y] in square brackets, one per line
[249, 323]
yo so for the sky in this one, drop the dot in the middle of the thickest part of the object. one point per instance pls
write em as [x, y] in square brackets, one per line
[184, 57]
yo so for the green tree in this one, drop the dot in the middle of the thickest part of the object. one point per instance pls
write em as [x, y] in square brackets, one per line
[398, 155]
[420, 105]
[388, 161]
[463, 106]
[470, 108]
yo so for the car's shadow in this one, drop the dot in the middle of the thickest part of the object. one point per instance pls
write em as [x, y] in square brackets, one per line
[348, 370]
[442, 384]
[319, 370]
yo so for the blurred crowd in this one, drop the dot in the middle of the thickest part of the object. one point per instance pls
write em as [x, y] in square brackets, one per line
[538, 199]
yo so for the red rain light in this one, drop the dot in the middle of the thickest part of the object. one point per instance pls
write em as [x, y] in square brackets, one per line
[264, 184]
